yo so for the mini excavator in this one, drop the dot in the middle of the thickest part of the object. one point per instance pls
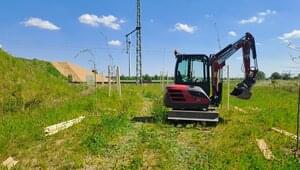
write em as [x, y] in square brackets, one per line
[197, 90]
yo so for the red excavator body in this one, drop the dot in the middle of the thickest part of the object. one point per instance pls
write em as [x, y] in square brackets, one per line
[197, 90]
[181, 96]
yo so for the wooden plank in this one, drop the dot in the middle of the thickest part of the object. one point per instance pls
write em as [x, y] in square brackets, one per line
[262, 145]
[286, 133]
[9, 162]
[239, 109]
[50, 130]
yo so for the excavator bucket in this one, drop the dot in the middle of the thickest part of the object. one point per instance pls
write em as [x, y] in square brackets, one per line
[243, 90]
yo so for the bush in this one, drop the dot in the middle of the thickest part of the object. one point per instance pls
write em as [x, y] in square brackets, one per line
[275, 76]
[286, 76]
[159, 111]
[260, 75]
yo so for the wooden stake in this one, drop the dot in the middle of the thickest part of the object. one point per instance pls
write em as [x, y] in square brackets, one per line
[119, 81]
[50, 130]
[160, 80]
[285, 133]
[9, 162]
[167, 78]
[264, 149]
[228, 86]
[109, 83]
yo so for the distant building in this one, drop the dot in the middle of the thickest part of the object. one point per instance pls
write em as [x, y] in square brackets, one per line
[78, 74]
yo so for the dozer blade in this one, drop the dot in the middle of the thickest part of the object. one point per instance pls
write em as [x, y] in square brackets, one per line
[190, 115]
[243, 89]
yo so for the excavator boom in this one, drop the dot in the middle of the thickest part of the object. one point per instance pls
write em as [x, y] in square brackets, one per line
[242, 89]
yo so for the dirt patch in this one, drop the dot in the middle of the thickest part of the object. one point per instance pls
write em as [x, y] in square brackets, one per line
[150, 159]
[77, 73]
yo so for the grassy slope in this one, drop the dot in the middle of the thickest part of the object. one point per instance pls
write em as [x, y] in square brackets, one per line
[26, 84]
[28, 89]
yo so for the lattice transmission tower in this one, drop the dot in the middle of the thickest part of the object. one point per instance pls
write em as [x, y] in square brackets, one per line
[139, 74]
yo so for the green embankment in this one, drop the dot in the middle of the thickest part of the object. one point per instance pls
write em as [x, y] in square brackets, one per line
[28, 89]
[26, 84]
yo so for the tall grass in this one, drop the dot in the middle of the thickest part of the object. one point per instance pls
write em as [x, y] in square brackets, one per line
[110, 127]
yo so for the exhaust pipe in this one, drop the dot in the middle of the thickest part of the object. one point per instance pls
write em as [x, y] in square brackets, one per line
[243, 89]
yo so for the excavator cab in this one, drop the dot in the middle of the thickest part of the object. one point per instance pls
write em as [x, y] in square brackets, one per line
[193, 70]
[189, 95]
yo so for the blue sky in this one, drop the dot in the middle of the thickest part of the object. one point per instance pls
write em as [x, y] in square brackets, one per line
[56, 30]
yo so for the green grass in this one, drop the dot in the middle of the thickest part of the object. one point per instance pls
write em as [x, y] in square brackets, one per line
[28, 84]
[108, 138]
[109, 128]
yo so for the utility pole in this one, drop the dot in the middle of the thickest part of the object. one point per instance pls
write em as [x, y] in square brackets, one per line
[218, 35]
[139, 75]
[137, 30]
[94, 70]
[128, 45]
[298, 119]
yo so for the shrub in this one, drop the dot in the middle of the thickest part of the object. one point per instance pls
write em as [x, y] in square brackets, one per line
[159, 111]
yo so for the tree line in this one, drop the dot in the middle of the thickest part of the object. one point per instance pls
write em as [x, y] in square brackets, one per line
[276, 76]
[147, 77]
[260, 76]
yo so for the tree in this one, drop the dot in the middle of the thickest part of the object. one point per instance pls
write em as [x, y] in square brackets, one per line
[260, 75]
[147, 77]
[297, 77]
[155, 77]
[286, 76]
[275, 76]
[122, 77]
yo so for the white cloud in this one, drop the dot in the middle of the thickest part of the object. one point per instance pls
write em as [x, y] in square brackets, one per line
[89, 19]
[115, 43]
[253, 19]
[292, 46]
[208, 16]
[40, 23]
[122, 21]
[0, 46]
[286, 37]
[259, 18]
[267, 12]
[232, 33]
[258, 43]
[185, 28]
[151, 20]
[108, 21]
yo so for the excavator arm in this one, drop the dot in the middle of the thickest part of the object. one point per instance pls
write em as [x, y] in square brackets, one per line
[217, 61]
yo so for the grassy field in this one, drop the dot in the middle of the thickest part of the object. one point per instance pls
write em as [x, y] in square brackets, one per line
[108, 138]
